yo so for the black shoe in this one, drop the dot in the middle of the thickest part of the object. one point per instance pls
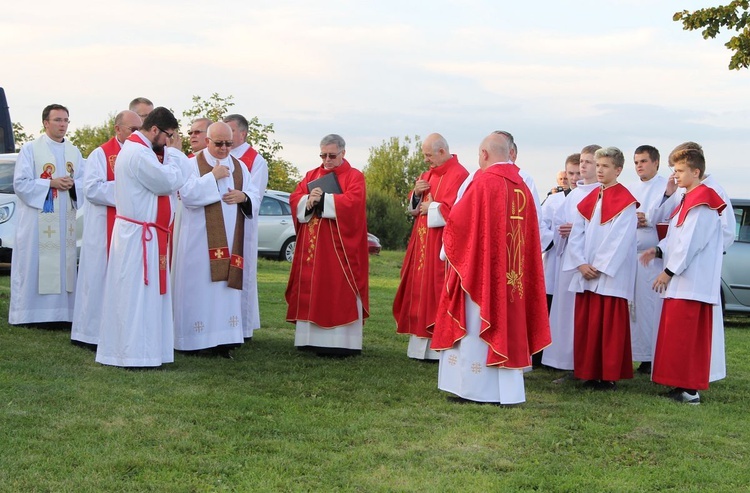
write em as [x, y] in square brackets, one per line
[644, 368]
[606, 385]
[591, 384]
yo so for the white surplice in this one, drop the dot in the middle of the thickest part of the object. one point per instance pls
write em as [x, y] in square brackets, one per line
[645, 310]
[92, 265]
[559, 354]
[259, 179]
[206, 314]
[137, 328]
[26, 304]
[550, 258]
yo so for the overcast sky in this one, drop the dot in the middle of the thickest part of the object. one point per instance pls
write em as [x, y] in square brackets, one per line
[557, 74]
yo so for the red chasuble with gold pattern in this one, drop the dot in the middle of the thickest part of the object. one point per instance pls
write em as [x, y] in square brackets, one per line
[423, 273]
[330, 266]
[492, 247]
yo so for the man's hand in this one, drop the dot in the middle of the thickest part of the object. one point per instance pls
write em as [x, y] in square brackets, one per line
[424, 206]
[564, 229]
[647, 256]
[175, 141]
[671, 185]
[234, 196]
[642, 221]
[314, 198]
[660, 284]
[421, 186]
[589, 271]
[220, 171]
[62, 183]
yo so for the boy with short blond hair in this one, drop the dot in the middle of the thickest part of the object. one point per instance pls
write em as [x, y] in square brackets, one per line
[601, 252]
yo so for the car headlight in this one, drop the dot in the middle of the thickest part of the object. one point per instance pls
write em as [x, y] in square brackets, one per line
[6, 211]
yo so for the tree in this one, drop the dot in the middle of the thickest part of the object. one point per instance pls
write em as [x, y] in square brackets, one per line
[282, 175]
[390, 173]
[88, 138]
[733, 16]
[393, 167]
[387, 220]
[20, 137]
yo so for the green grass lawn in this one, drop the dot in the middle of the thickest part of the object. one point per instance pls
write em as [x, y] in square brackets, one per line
[275, 419]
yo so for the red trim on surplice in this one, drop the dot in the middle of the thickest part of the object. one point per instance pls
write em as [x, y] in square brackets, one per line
[249, 158]
[423, 273]
[615, 199]
[163, 220]
[330, 266]
[492, 246]
[700, 195]
[111, 149]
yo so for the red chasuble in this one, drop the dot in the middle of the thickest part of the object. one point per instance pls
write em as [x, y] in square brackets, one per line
[615, 199]
[700, 195]
[162, 226]
[111, 149]
[330, 266]
[492, 246]
[423, 273]
[249, 158]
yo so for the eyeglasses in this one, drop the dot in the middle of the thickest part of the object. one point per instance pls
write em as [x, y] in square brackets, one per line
[329, 155]
[170, 135]
[195, 132]
[59, 120]
[219, 143]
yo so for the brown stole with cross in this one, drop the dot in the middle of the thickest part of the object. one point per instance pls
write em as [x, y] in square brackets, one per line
[225, 265]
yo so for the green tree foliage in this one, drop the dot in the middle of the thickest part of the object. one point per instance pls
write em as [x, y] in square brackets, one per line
[20, 137]
[387, 219]
[733, 16]
[282, 175]
[88, 138]
[394, 166]
[390, 173]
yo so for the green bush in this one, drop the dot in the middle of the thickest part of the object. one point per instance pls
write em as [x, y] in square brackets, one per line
[387, 220]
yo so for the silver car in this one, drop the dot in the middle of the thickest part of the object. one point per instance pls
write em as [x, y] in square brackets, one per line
[276, 235]
[735, 270]
[7, 208]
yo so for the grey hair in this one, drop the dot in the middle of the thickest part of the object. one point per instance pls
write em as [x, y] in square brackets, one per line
[439, 142]
[333, 139]
[618, 158]
[239, 120]
[138, 101]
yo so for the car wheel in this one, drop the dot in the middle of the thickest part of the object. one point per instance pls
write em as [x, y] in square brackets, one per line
[287, 251]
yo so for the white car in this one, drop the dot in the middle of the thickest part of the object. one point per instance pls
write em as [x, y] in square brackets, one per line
[276, 235]
[7, 208]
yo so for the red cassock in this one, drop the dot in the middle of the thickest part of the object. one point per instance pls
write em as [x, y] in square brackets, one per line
[423, 273]
[492, 247]
[330, 266]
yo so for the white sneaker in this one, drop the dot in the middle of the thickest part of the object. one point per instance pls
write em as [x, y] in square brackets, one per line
[686, 398]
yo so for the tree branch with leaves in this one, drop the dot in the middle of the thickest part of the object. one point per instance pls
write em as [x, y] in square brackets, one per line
[734, 17]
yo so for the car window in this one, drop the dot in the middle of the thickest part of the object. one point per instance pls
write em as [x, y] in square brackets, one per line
[6, 175]
[742, 215]
[270, 207]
